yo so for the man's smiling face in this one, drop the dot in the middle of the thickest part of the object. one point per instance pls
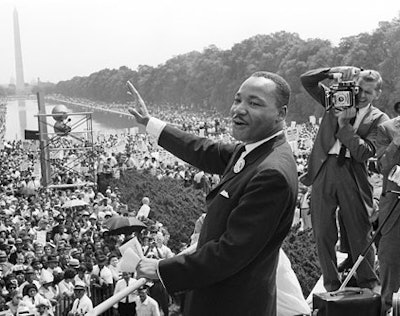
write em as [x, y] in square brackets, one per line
[254, 113]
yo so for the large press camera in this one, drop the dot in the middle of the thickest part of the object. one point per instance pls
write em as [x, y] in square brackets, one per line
[341, 94]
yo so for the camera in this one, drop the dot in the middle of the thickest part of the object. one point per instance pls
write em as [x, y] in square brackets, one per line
[341, 94]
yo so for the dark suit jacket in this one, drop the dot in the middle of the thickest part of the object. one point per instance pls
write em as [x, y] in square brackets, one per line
[362, 144]
[388, 156]
[233, 271]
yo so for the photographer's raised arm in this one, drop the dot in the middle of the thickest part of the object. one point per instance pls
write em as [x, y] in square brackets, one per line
[312, 80]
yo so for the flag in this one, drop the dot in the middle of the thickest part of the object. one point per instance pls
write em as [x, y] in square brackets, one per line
[31, 134]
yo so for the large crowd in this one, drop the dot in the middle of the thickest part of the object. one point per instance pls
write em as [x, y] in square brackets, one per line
[54, 244]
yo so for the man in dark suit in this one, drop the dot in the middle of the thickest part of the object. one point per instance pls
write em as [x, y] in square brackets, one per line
[388, 152]
[249, 213]
[337, 169]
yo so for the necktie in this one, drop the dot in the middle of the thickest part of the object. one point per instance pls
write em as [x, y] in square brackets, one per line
[342, 153]
[127, 298]
[234, 160]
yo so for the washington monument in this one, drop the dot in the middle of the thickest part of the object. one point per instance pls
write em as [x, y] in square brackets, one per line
[19, 68]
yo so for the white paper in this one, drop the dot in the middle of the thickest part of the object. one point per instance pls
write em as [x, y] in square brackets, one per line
[133, 244]
[129, 261]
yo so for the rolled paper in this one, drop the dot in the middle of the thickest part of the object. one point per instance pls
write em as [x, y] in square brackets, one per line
[107, 304]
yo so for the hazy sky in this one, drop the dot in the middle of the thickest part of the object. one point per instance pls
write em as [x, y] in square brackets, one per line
[66, 38]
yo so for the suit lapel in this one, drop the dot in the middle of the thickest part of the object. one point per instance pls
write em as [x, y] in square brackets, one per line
[260, 152]
[368, 121]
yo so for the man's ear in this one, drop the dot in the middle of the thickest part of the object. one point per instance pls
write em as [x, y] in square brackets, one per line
[378, 94]
[282, 113]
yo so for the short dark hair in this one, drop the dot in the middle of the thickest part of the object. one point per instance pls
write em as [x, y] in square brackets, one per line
[282, 91]
[69, 273]
[396, 107]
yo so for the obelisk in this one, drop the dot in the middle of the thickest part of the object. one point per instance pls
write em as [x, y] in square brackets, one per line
[19, 69]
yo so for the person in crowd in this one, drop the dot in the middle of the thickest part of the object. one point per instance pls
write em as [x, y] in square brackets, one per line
[345, 141]
[144, 210]
[82, 304]
[157, 249]
[30, 278]
[4, 264]
[82, 276]
[102, 271]
[146, 305]
[48, 289]
[388, 153]
[13, 304]
[127, 306]
[113, 266]
[33, 299]
[66, 285]
[43, 310]
[249, 213]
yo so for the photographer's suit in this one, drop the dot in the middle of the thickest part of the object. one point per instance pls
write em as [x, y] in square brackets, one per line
[389, 256]
[346, 186]
[249, 213]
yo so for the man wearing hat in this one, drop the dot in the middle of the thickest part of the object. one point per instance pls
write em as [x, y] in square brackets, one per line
[73, 263]
[29, 279]
[82, 304]
[47, 289]
[18, 249]
[52, 263]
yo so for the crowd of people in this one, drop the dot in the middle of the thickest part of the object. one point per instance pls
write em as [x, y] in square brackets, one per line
[52, 252]
[55, 244]
[55, 247]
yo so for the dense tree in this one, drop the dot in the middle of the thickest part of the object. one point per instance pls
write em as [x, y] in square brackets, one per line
[208, 79]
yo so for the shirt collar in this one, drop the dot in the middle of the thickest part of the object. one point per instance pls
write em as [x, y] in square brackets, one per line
[364, 110]
[252, 146]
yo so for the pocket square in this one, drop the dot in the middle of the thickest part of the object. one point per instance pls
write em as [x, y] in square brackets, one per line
[224, 194]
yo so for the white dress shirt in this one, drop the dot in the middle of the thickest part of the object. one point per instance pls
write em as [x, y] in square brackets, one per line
[121, 284]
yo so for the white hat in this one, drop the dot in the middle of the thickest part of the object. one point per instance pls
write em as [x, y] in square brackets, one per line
[46, 277]
[79, 285]
[93, 215]
[73, 263]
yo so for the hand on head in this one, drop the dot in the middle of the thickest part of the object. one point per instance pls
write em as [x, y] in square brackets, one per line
[140, 111]
[349, 73]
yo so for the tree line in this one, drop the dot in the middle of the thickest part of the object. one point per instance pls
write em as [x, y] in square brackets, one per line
[209, 79]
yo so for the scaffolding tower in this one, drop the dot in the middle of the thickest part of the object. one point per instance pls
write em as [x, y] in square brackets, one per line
[70, 150]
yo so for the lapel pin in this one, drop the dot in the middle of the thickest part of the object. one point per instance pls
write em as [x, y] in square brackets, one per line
[239, 165]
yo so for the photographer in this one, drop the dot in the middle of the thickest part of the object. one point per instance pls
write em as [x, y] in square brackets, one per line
[337, 166]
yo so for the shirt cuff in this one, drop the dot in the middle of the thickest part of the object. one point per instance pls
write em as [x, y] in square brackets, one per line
[154, 127]
[159, 275]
